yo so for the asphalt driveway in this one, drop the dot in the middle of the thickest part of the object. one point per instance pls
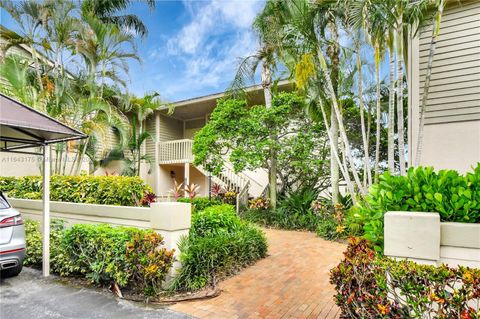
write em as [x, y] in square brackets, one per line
[31, 296]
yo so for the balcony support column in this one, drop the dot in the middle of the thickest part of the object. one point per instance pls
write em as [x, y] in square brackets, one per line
[186, 179]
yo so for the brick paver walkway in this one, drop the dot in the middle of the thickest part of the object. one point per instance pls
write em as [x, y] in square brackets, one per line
[292, 282]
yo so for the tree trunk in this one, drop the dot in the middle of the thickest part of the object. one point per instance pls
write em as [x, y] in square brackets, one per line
[378, 109]
[401, 140]
[272, 172]
[343, 133]
[82, 155]
[366, 157]
[391, 115]
[334, 155]
[426, 85]
[334, 55]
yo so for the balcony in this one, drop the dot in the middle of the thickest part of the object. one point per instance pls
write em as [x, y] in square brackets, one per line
[175, 152]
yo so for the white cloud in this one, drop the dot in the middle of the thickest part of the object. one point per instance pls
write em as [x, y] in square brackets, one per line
[210, 44]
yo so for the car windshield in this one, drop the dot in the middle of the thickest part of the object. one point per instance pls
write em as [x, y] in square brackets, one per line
[3, 202]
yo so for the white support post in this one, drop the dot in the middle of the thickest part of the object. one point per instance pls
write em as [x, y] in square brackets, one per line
[157, 155]
[46, 211]
[186, 177]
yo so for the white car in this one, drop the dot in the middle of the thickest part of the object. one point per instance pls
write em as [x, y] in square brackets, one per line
[12, 239]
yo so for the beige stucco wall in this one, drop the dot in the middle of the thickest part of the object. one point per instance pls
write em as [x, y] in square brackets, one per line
[165, 182]
[452, 145]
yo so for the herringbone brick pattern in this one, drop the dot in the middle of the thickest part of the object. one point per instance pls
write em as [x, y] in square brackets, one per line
[292, 282]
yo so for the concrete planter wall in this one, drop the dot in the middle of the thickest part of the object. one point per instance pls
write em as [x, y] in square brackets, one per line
[172, 220]
[421, 237]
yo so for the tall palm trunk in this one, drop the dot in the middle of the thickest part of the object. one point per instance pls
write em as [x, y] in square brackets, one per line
[334, 165]
[426, 85]
[391, 114]
[272, 172]
[378, 111]
[341, 127]
[401, 140]
[366, 158]
[335, 155]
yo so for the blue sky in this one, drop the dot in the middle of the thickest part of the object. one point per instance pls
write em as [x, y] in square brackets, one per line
[192, 48]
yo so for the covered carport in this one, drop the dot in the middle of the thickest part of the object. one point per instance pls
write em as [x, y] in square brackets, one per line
[24, 130]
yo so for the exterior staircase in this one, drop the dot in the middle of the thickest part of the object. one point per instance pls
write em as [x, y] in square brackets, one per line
[180, 151]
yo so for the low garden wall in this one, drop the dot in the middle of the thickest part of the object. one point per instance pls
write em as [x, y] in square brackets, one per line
[421, 237]
[172, 220]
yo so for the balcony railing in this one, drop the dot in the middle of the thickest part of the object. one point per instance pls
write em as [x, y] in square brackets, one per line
[174, 152]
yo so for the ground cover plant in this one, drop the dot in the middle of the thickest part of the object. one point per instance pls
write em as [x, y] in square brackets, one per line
[105, 190]
[454, 196]
[369, 285]
[128, 257]
[218, 245]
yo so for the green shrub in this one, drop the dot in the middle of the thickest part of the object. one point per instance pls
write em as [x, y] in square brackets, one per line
[455, 197]
[218, 245]
[104, 254]
[371, 286]
[105, 190]
[214, 220]
[6, 184]
[33, 238]
[293, 212]
[327, 228]
[200, 203]
[149, 263]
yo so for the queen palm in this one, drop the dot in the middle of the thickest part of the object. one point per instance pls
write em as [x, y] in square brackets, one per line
[29, 17]
[110, 12]
[299, 22]
[264, 57]
[105, 50]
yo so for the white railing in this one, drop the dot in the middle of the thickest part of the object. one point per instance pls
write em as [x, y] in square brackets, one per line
[177, 151]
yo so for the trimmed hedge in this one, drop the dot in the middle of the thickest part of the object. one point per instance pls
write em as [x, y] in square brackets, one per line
[219, 244]
[455, 197]
[200, 203]
[372, 286]
[127, 256]
[105, 190]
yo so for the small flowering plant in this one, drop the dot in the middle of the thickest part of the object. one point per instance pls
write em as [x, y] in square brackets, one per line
[260, 203]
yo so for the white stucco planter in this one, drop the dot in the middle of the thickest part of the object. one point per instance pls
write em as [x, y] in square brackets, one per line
[421, 237]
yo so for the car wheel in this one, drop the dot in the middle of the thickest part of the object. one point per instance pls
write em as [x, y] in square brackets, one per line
[12, 272]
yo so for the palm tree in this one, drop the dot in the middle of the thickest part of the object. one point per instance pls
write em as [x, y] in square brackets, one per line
[15, 70]
[29, 16]
[110, 12]
[440, 4]
[299, 21]
[105, 50]
[247, 69]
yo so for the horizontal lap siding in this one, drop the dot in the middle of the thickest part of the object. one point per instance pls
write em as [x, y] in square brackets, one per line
[150, 144]
[454, 93]
[170, 129]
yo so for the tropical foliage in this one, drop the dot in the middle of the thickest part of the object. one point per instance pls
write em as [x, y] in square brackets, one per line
[244, 134]
[105, 190]
[106, 255]
[219, 244]
[370, 286]
[454, 196]
[72, 63]
[305, 37]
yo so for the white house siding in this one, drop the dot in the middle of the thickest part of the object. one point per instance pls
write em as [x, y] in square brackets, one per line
[150, 143]
[452, 120]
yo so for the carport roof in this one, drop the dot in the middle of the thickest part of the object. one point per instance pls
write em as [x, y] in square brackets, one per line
[22, 126]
